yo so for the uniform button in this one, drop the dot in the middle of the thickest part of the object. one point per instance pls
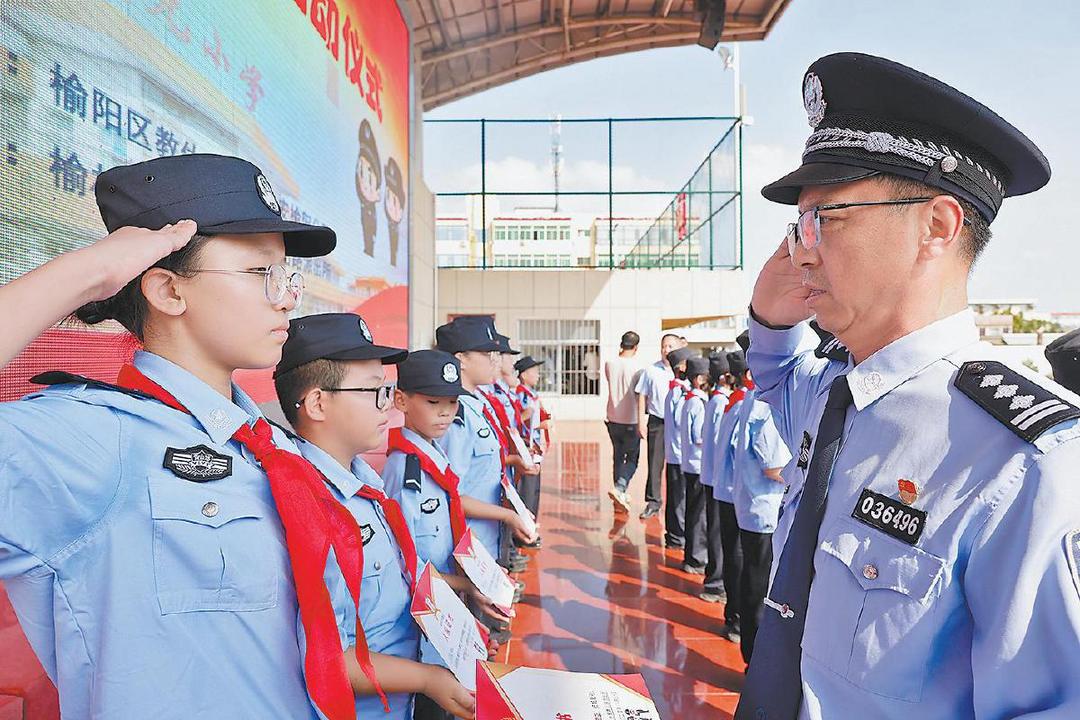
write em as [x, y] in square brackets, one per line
[210, 509]
[869, 572]
[378, 565]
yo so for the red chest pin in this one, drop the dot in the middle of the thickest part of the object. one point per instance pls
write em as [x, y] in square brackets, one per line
[909, 491]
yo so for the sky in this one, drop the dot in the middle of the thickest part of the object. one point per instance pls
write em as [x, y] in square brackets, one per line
[1021, 60]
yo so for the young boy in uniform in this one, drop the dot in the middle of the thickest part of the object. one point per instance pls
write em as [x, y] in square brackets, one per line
[332, 388]
[691, 425]
[674, 536]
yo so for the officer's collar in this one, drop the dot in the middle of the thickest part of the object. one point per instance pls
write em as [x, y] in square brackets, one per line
[219, 417]
[897, 362]
[429, 449]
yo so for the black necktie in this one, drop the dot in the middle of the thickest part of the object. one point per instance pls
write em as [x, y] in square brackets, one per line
[773, 688]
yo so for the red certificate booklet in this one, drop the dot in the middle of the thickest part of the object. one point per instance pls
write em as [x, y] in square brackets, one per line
[505, 692]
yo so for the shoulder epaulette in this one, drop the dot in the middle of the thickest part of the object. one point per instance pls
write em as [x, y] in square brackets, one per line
[459, 418]
[411, 478]
[1022, 405]
[830, 347]
[60, 377]
[288, 433]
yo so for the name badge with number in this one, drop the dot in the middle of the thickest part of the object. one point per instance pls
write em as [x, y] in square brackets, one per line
[891, 516]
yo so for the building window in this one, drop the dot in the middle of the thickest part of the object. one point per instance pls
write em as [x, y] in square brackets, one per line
[570, 350]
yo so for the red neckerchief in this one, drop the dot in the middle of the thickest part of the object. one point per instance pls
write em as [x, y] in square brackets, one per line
[499, 422]
[519, 424]
[738, 395]
[394, 517]
[313, 521]
[446, 479]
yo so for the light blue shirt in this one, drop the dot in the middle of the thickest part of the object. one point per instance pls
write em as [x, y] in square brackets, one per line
[385, 595]
[653, 383]
[142, 593]
[714, 413]
[672, 415]
[980, 618]
[532, 423]
[724, 459]
[473, 450]
[691, 425]
[757, 447]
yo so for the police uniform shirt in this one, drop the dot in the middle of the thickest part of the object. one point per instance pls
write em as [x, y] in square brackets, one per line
[653, 384]
[142, 592]
[691, 424]
[385, 594]
[968, 605]
[473, 450]
[532, 423]
[424, 503]
[724, 459]
[757, 446]
[672, 415]
[714, 413]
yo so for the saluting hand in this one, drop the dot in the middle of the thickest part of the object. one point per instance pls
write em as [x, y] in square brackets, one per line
[120, 256]
[779, 295]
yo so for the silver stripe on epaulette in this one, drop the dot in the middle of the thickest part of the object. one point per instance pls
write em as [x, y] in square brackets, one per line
[921, 151]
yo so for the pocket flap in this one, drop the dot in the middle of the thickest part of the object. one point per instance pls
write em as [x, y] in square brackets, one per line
[174, 499]
[877, 562]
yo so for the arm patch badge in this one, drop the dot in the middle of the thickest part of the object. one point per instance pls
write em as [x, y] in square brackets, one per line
[197, 464]
[366, 533]
[804, 451]
[1022, 405]
[1072, 554]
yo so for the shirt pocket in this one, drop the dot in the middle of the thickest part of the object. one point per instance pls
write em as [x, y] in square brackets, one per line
[888, 593]
[209, 548]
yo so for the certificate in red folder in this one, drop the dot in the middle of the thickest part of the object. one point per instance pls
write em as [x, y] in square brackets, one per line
[449, 626]
[484, 572]
[505, 692]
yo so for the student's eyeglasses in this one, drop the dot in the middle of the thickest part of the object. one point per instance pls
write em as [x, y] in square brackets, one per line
[807, 229]
[383, 393]
[277, 281]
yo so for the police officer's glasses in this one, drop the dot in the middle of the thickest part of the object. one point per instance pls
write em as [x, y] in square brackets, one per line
[383, 393]
[278, 281]
[807, 229]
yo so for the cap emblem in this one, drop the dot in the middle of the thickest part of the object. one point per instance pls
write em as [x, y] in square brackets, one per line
[266, 194]
[364, 330]
[814, 100]
[449, 373]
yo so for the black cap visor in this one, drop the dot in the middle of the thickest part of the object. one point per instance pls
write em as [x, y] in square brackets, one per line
[435, 390]
[300, 240]
[786, 190]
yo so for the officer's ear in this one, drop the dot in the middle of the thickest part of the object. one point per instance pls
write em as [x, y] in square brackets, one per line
[161, 288]
[944, 223]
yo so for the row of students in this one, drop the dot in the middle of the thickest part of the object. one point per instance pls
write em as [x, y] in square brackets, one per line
[729, 457]
[171, 553]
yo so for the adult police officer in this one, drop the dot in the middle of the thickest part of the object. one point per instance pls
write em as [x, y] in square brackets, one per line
[929, 544]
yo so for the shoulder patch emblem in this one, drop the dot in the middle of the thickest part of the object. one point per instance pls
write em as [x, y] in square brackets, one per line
[804, 451]
[366, 533]
[411, 479]
[430, 505]
[198, 463]
[830, 348]
[1020, 404]
[1072, 554]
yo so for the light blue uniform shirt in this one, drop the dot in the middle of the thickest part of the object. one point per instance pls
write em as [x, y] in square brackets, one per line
[146, 595]
[714, 413]
[757, 447]
[691, 425]
[724, 459]
[532, 423]
[980, 618]
[473, 450]
[653, 384]
[385, 595]
[424, 503]
[672, 415]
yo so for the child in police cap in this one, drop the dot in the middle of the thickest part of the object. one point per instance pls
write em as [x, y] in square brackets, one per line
[332, 388]
[157, 507]
[419, 476]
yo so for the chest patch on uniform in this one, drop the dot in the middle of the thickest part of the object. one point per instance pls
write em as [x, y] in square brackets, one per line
[1072, 554]
[366, 533]
[890, 516]
[430, 505]
[1020, 404]
[198, 463]
[804, 450]
[483, 432]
